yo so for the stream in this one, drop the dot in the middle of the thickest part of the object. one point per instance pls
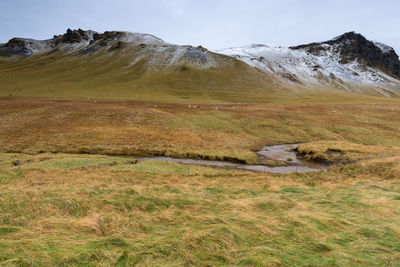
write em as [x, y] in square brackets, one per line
[277, 153]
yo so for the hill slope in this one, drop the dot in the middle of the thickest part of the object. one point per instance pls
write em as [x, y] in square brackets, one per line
[125, 65]
[348, 63]
[122, 65]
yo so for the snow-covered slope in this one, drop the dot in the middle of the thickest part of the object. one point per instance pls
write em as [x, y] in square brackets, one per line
[87, 63]
[327, 64]
[157, 54]
[347, 63]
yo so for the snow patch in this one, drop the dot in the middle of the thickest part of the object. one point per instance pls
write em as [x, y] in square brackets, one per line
[384, 48]
[141, 38]
[308, 68]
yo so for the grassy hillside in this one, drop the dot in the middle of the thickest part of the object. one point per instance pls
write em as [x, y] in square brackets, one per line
[132, 74]
[106, 75]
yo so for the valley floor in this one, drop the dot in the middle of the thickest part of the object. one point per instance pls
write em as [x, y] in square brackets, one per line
[71, 193]
[211, 131]
[63, 209]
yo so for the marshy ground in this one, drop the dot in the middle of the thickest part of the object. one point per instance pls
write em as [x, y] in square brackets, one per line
[63, 209]
[70, 193]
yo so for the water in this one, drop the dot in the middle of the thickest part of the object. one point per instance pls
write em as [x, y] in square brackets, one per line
[280, 153]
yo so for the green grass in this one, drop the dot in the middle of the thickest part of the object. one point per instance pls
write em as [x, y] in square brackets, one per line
[233, 132]
[54, 211]
[111, 76]
[77, 199]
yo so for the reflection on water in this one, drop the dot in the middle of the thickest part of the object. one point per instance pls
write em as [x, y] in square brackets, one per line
[282, 153]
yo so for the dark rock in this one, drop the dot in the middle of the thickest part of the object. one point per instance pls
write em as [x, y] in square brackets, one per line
[16, 46]
[183, 68]
[116, 46]
[101, 40]
[352, 47]
[74, 36]
[196, 54]
[104, 39]
[289, 77]
[90, 49]
[202, 48]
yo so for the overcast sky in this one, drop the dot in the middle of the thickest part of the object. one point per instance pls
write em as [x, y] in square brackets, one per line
[214, 24]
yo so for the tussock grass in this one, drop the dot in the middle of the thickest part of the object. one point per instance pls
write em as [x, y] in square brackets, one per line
[55, 212]
[344, 152]
[233, 132]
[77, 199]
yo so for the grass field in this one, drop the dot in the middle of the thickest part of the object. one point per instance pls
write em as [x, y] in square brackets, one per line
[63, 209]
[71, 195]
[73, 124]
[213, 131]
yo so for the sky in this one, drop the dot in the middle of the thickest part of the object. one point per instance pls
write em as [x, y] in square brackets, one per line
[214, 24]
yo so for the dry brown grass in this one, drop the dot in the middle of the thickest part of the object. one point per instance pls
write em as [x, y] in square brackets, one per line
[231, 132]
[344, 152]
[56, 213]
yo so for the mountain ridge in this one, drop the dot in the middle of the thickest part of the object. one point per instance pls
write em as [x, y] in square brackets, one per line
[348, 63]
[354, 46]
[122, 65]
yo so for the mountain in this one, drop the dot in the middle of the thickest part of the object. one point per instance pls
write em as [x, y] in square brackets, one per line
[160, 54]
[124, 65]
[348, 62]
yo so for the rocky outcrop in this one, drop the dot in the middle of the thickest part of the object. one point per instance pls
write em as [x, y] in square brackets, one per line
[352, 46]
[23, 47]
[16, 46]
[74, 36]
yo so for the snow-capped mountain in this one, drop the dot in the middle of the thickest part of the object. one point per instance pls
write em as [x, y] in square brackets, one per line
[141, 64]
[138, 46]
[79, 59]
[73, 40]
[348, 62]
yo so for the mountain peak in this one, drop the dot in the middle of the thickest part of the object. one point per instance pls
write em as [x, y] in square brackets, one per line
[75, 36]
[354, 47]
[348, 62]
[73, 40]
[348, 36]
